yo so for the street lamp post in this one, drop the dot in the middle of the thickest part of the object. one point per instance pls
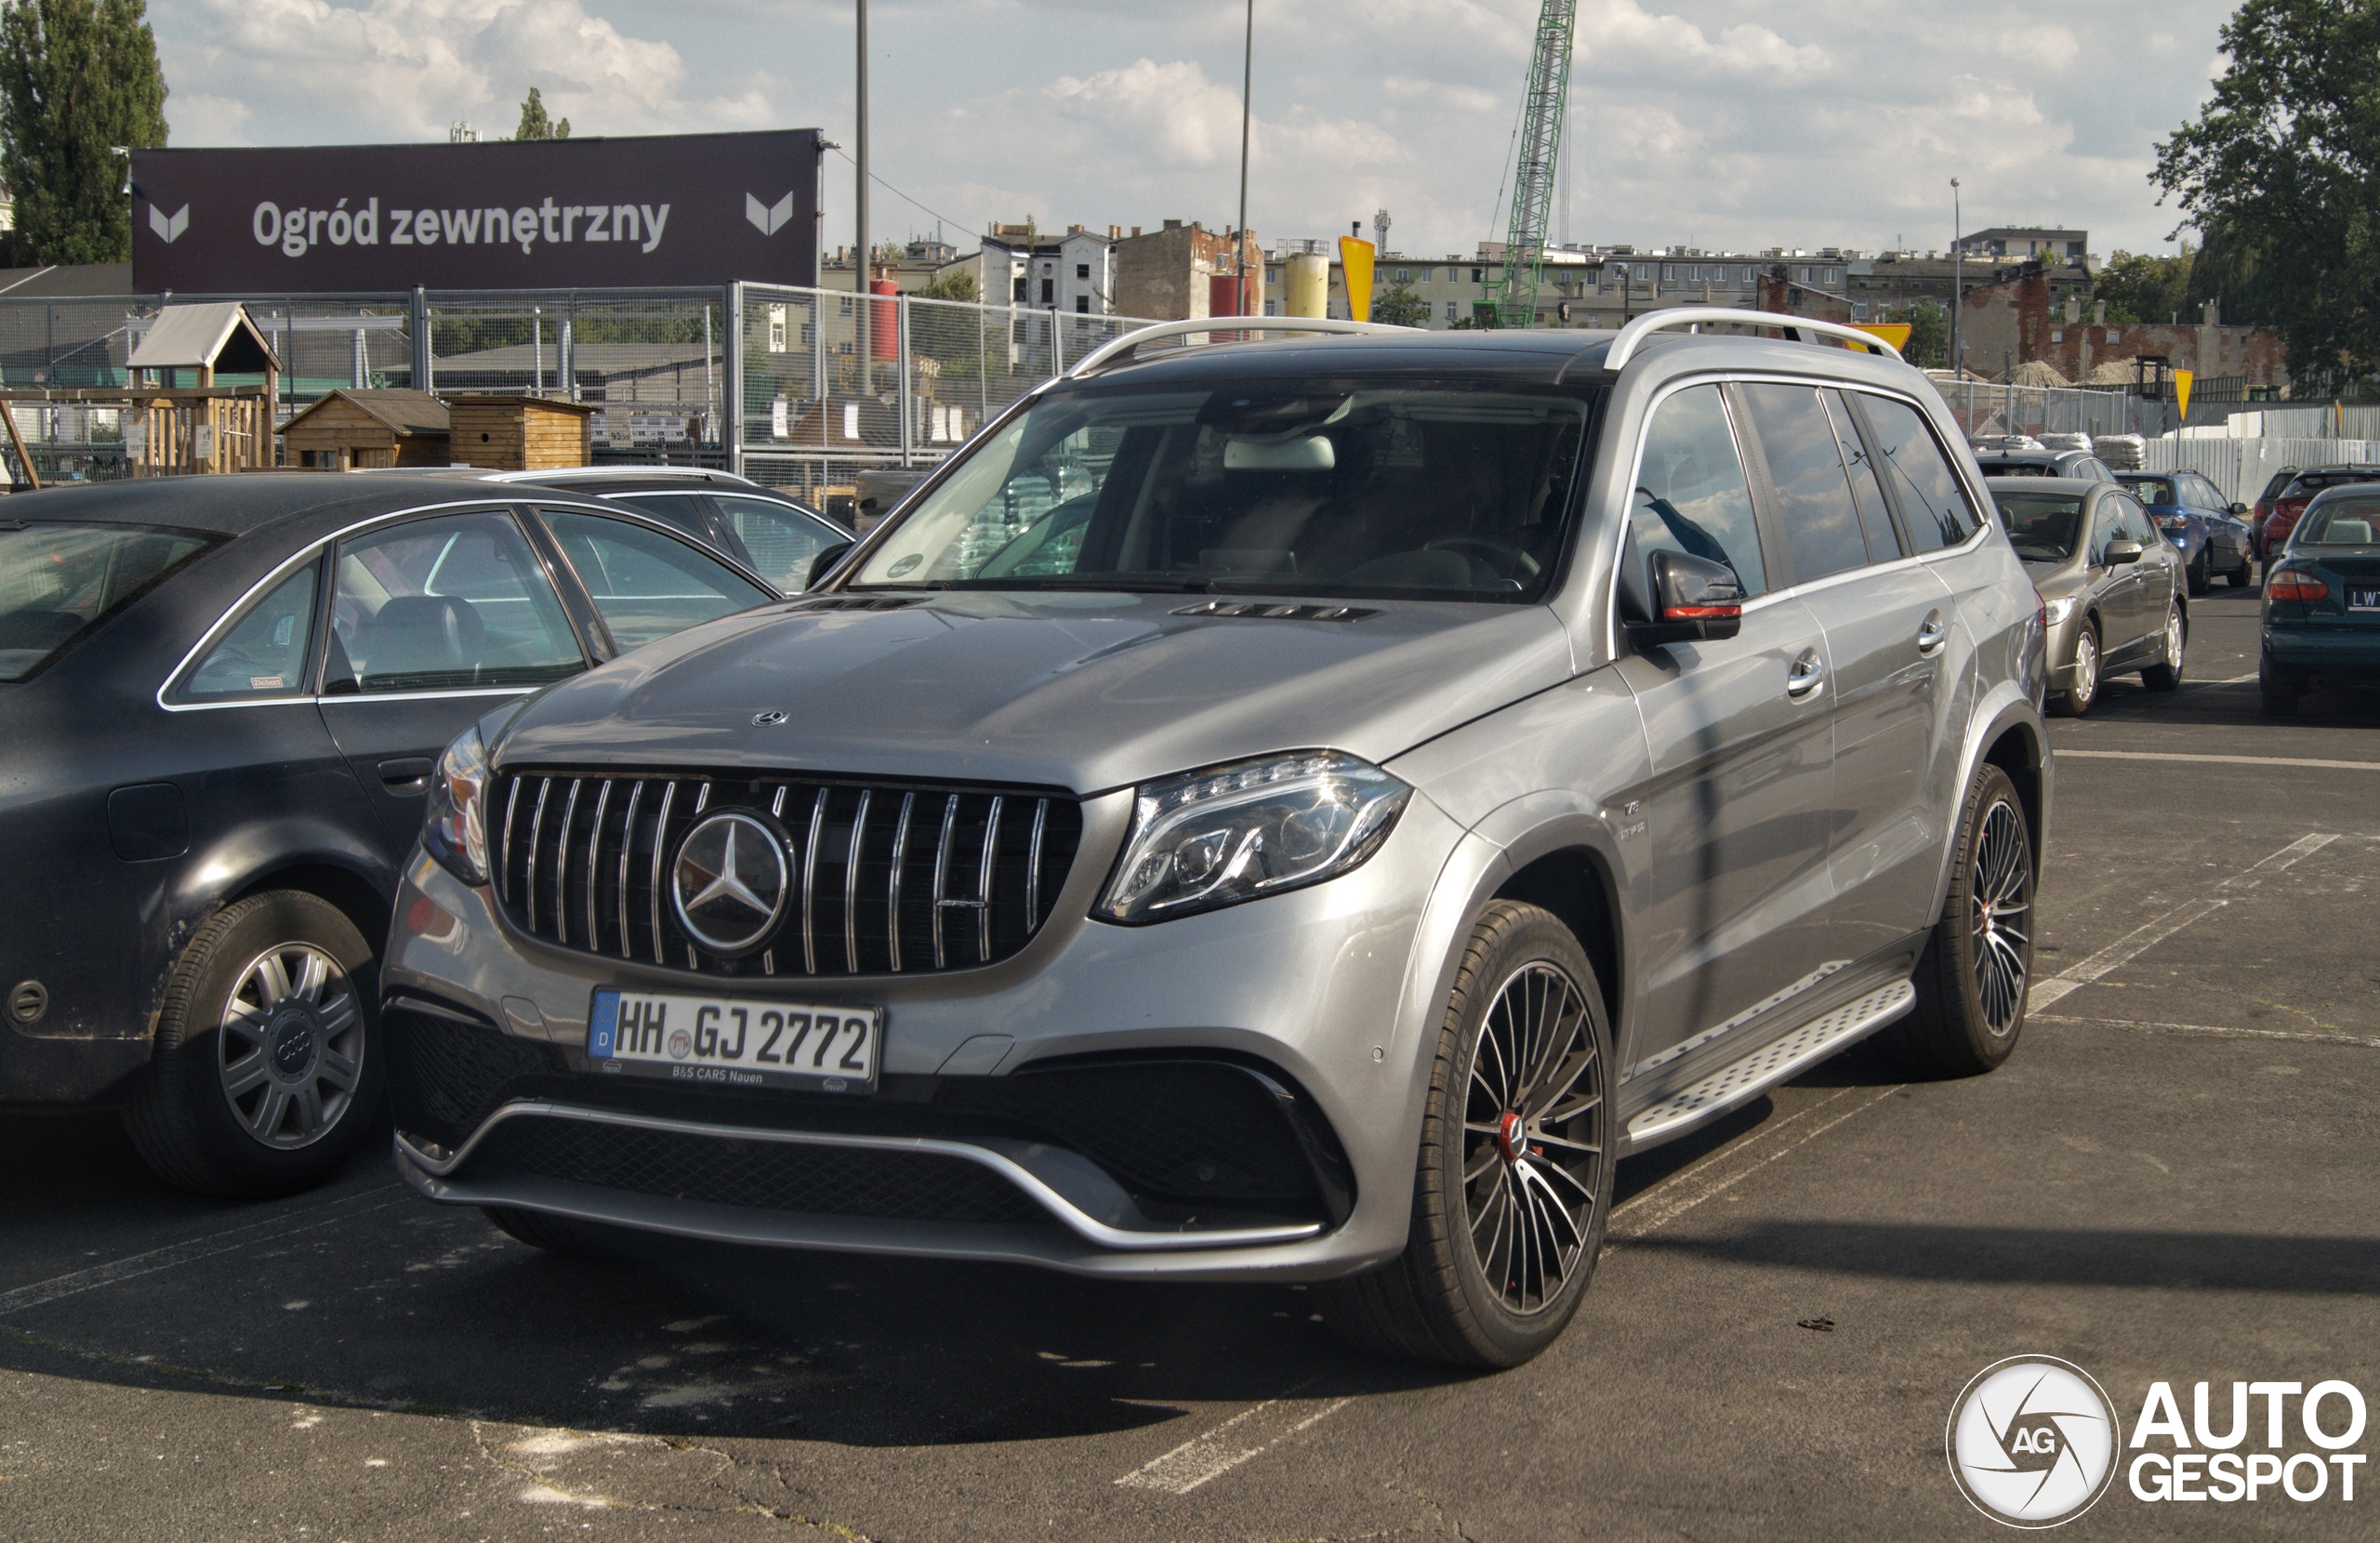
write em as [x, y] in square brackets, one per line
[1246, 84]
[1958, 286]
[860, 289]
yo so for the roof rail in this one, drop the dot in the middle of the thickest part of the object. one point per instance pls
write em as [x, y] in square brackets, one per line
[1623, 348]
[1121, 348]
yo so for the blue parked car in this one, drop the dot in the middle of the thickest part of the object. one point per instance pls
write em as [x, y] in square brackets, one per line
[2212, 536]
[2321, 612]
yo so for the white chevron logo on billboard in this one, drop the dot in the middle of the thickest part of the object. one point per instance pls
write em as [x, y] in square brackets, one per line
[168, 228]
[767, 219]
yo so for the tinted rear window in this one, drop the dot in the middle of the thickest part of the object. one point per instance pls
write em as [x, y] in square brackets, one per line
[60, 583]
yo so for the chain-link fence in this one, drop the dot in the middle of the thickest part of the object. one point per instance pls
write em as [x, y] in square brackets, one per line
[769, 381]
[1983, 408]
[813, 415]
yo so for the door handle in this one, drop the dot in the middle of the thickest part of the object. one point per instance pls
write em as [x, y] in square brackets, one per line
[1931, 633]
[407, 775]
[1806, 676]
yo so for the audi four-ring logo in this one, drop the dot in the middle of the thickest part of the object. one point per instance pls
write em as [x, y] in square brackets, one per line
[728, 883]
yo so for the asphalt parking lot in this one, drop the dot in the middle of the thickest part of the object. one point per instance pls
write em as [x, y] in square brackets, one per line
[2171, 1181]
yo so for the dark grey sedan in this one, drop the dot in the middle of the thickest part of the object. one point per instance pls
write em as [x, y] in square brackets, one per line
[2113, 592]
[221, 699]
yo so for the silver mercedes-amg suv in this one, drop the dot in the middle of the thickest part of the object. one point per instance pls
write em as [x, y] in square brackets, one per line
[1296, 809]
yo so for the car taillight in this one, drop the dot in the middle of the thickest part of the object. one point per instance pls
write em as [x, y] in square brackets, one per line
[2173, 522]
[2292, 584]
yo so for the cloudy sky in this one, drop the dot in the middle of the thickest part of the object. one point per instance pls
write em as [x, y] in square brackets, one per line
[1716, 123]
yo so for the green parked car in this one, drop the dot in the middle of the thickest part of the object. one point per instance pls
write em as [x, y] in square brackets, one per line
[2321, 615]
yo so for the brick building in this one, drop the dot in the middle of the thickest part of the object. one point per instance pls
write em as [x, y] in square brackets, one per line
[1182, 272]
[2025, 319]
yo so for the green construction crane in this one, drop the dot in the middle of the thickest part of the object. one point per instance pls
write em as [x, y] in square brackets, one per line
[1514, 280]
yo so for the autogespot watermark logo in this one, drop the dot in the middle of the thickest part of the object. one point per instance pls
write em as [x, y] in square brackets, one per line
[2033, 1441]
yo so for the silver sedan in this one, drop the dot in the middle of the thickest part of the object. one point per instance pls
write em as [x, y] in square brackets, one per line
[2113, 595]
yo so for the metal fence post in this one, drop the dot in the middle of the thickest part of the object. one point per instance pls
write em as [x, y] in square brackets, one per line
[1057, 350]
[419, 323]
[903, 386]
[733, 370]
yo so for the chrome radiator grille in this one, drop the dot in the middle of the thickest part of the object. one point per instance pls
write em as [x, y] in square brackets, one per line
[887, 878]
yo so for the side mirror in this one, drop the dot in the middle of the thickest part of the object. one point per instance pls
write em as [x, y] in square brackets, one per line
[2238, 511]
[823, 563]
[2122, 552]
[1695, 600]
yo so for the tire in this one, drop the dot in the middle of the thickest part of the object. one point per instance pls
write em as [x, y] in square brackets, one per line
[1522, 976]
[555, 1234]
[1972, 978]
[2165, 675]
[2244, 575]
[2079, 698]
[260, 1085]
[2201, 574]
[2278, 688]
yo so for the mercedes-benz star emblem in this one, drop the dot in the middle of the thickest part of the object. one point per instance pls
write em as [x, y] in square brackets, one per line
[728, 883]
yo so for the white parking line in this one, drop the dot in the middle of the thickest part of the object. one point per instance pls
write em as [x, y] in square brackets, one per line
[288, 1224]
[2142, 939]
[2305, 1036]
[2218, 760]
[1250, 1434]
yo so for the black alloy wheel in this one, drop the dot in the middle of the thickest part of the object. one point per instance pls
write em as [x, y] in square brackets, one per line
[1514, 1175]
[1973, 977]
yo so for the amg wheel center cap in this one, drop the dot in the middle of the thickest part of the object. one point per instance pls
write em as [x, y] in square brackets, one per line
[728, 883]
[1511, 1139]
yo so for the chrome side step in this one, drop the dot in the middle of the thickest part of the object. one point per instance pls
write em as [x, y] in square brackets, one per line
[1772, 1063]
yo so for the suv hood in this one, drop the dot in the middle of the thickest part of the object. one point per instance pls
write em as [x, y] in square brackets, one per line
[1085, 691]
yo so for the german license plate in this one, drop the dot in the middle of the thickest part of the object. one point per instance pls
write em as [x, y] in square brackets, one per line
[735, 1041]
[2363, 600]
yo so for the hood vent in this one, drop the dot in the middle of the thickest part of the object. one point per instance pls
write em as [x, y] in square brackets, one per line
[1267, 611]
[859, 603]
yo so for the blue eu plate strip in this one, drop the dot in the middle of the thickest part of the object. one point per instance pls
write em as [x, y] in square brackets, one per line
[603, 1023]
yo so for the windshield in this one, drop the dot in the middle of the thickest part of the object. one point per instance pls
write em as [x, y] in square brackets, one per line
[59, 582]
[1297, 487]
[2343, 522]
[2041, 526]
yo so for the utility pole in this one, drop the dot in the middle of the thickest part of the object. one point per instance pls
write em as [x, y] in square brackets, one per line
[1958, 286]
[861, 305]
[1246, 84]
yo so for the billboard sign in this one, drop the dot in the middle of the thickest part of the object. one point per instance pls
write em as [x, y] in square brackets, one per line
[548, 213]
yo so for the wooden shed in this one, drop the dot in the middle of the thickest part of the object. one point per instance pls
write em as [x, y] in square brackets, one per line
[510, 433]
[350, 430]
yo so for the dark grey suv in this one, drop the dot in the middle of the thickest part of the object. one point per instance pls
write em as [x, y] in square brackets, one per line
[1285, 811]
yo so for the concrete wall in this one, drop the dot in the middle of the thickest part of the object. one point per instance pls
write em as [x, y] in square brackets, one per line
[1165, 274]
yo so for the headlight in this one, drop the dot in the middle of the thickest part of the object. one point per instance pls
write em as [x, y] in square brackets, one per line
[1216, 837]
[2059, 609]
[453, 829]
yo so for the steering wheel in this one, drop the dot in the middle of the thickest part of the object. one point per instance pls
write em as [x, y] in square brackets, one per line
[1507, 558]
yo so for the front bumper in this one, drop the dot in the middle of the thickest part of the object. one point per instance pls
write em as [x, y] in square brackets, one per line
[992, 1136]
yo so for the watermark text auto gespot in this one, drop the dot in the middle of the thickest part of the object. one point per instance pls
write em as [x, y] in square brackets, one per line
[2293, 1446]
[298, 230]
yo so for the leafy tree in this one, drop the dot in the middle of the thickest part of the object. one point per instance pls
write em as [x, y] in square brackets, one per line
[534, 125]
[2234, 268]
[2288, 150]
[76, 77]
[1929, 332]
[957, 285]
[2138, 287]
[1399, 307]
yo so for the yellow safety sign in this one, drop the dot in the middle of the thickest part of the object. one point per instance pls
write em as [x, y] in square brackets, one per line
[1356, 261]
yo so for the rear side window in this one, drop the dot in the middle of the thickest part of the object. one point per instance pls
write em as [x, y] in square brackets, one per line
[1875, 520]
[59, 582]
[1934, 507]
[453, 603]
[264, 654]
[1812, 493]
[1691, 495]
